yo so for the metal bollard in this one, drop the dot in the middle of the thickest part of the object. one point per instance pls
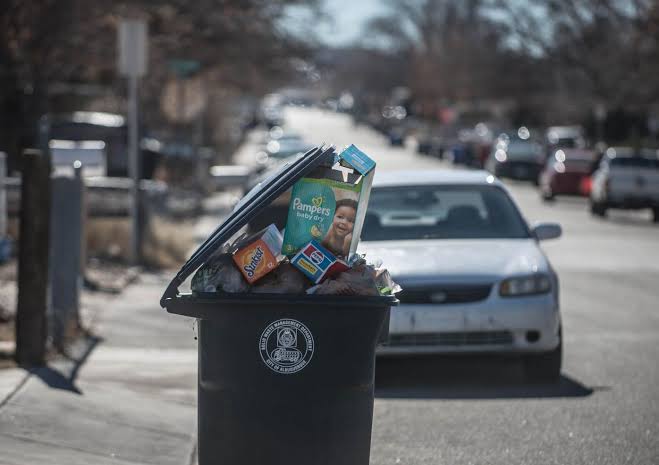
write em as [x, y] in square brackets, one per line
[66, 253]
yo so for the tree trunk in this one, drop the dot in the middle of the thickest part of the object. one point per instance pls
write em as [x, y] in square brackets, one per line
[33, 257]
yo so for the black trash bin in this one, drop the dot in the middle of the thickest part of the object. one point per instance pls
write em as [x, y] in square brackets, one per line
[283, 379]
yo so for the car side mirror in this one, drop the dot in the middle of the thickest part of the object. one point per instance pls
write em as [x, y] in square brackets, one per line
[544, 231]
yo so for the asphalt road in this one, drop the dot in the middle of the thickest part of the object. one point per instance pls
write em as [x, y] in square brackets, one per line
[605, 410]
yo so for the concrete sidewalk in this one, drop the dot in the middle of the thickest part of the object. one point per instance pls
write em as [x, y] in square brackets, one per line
[129, 398]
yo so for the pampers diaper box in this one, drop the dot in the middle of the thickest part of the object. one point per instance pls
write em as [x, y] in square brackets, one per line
[329, 205]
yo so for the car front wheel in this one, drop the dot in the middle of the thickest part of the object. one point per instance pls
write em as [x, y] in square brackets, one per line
[547, 195]
[655, 214]
[598, 209]
[545, 367]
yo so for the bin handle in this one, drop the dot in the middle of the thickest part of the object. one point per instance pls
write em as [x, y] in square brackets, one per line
[171, 291]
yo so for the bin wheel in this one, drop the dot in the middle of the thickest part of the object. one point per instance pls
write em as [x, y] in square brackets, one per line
[545, 367]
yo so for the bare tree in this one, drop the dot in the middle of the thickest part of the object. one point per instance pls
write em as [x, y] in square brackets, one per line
[605, 50]
[454, 48]
[239, 43]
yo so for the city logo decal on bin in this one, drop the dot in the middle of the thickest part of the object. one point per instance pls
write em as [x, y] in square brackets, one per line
[286, 346]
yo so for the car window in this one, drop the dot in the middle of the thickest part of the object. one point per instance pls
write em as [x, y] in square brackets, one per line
[567, 142]
[576, 164]
[435, 212]
[635, 162]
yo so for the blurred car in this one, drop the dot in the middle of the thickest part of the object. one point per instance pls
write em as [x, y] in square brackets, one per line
[396, 136]
[513, 157]
[462, 151]
[285, 148]
[563, 137]
[89, 153]
[279, 134]
[566, 173]
[474, 278]
[269, 156]
[429, 139]
[626, 179]
[425, 140]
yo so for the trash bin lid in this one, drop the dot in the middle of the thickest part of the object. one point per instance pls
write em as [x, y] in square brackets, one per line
[257, 199]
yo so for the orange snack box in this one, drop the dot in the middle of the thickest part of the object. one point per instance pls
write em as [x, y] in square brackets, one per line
[259, 256]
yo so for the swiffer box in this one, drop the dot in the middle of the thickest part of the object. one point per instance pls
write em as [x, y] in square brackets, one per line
[329, 205]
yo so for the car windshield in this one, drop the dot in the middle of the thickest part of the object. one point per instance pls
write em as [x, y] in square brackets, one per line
[579, 164]
[573, 164]
[442, 212]
[520, 148]
[567, 142]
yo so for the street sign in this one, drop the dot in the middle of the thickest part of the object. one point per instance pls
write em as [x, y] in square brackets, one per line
[133, 51]
[184, 68]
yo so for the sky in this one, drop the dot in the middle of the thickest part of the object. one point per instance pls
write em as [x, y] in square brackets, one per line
[344, 20]
[349, 17]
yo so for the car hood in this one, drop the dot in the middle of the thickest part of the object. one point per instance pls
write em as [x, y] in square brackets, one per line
[457, 261]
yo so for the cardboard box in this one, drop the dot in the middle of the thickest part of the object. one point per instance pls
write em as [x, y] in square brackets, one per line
[329, 205]
[257, 256]
[318, 263]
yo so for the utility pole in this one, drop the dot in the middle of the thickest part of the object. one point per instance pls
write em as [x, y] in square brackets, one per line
[600, 116]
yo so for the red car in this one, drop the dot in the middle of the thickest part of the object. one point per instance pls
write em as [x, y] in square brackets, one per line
[567, 172]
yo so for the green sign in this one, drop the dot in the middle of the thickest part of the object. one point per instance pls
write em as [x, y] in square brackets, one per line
[184, 68]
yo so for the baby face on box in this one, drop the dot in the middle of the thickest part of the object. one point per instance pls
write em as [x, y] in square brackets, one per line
[339, 235]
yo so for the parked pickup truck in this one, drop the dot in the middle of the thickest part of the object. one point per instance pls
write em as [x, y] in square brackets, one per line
[627, 179]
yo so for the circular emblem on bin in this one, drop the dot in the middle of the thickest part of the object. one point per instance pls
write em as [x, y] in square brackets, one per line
[286, 346]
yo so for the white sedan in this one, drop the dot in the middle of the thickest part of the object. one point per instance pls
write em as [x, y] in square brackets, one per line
[474, 278]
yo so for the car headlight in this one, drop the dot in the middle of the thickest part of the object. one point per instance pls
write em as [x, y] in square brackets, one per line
[525, 285]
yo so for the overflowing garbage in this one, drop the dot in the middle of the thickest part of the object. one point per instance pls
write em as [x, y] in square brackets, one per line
[316, 252]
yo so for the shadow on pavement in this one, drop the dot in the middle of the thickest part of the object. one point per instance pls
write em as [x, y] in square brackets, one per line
[435, 377]
[62, 374]
[630, 218]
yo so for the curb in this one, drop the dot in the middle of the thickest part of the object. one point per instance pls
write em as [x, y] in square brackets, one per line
[8, 392]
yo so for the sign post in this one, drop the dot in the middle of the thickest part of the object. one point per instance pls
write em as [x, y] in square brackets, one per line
[3, 197]
[600, 116]
[5, 249]
[133, 64]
